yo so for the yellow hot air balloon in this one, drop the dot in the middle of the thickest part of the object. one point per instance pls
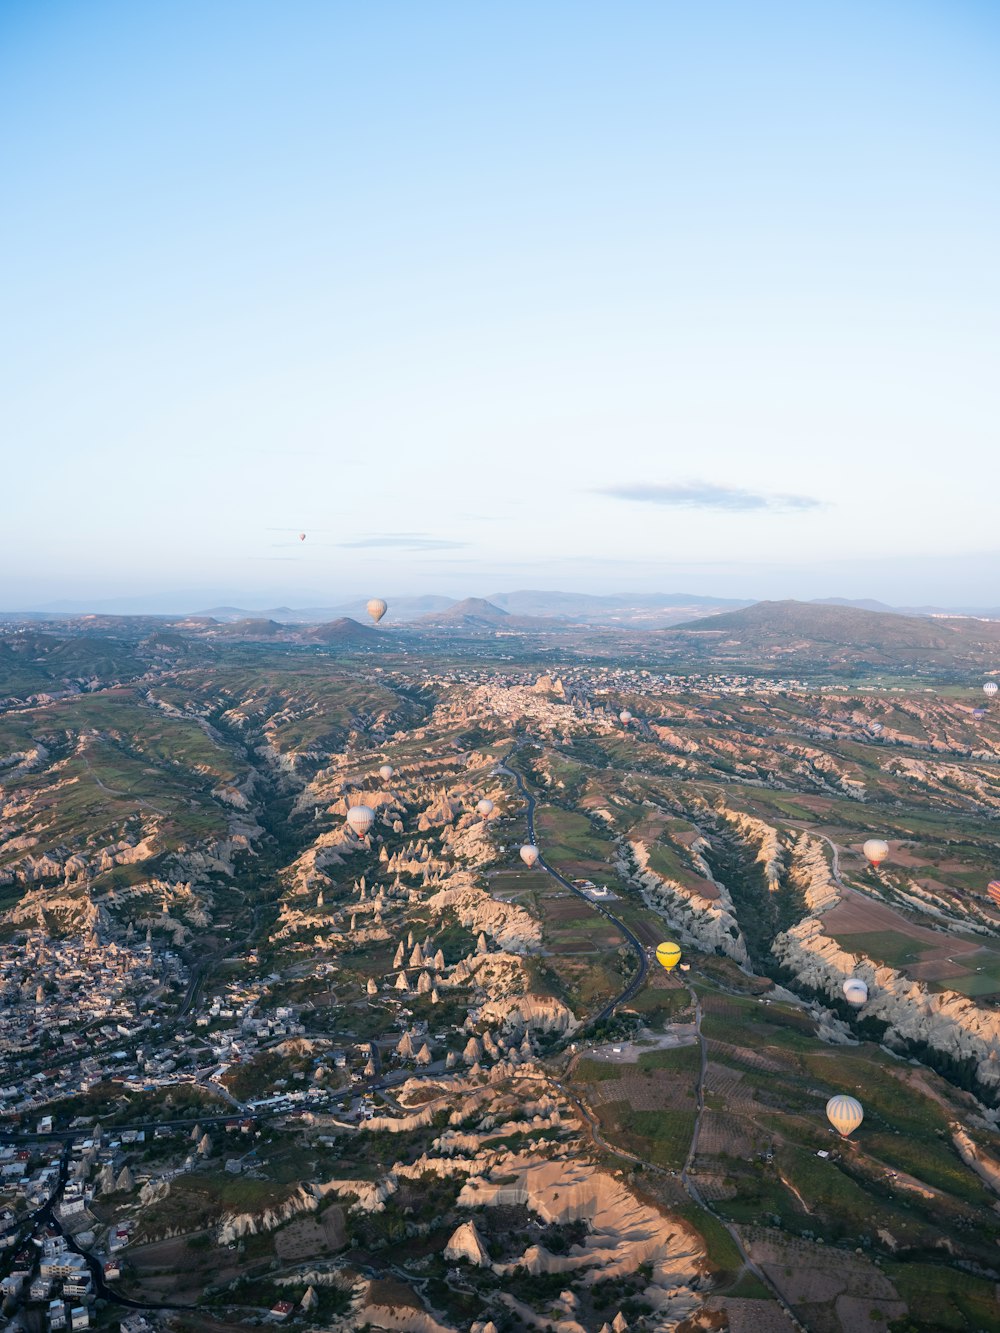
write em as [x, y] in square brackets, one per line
[668, 955]
[377, 609]
[844, 1114]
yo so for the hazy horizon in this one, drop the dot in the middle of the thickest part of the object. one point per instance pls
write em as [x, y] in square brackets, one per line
[605, 299]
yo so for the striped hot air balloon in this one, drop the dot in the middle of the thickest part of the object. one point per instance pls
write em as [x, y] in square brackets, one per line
[844, 1113]
[993, 889]
[361, 818]
[990, 688]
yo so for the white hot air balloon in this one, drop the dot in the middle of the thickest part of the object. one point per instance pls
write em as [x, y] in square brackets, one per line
[990, 688]
[361, 818]
[377, 609]
[855, 992]
[485, 807]
[386, 772]
[876, 851]
[625, 716]
[529, 854]
[844, 1114]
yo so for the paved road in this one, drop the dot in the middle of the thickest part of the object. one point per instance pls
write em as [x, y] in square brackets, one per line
[692, 1190]
[695, 1194]
[643, 962]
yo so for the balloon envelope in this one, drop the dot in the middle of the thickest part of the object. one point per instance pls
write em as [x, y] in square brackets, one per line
[386, 771]
[668, 955]
[876, 850]
[529, 854]
[302, 536]
[991, 688]
[377, 609]
[844, 1114]
[855, 992]
[979, 713]
[625, 716]
[361, 818]
[993, 889]
[485, 807]
[876, 727]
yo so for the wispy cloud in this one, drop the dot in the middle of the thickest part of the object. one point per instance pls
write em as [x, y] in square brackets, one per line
[405, 541]
[706, 495]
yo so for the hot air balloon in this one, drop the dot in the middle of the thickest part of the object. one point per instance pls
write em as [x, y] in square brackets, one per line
[625, 716]
[844, 1114]
[377, 609]
[979, 714]
[485, 807]
[993, 889]
[668, 955]
[529, 854]
[302, 536]
[361, 818]
[876, 727]
[855, 992]
[386, 772]
[876, 850]
[990, 688]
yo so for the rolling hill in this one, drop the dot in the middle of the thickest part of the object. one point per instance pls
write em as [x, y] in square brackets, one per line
[810, 631]
[344, 632]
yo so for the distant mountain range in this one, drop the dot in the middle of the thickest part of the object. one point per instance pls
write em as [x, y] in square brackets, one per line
[528, 610]
[524, 609]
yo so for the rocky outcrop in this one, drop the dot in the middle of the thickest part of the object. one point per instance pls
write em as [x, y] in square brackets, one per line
[513, 929]
[235, 1225]
[810, 873]
[624, 1233]
[985, 1166]
[944, 1020]
[369, 1195]
[542, 1013]
[709, 925]
[759, 835]
[467, 1244]
[405, 1318]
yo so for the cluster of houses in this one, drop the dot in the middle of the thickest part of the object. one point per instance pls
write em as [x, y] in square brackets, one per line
[66, 1006]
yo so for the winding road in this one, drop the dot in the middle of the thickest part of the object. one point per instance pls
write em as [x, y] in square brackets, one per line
[632, 940]
[630, 990]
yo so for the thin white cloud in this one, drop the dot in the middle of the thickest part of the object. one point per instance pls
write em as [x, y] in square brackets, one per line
[404, 541]
[707, 495]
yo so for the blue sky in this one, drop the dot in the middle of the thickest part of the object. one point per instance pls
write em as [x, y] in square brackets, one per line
[594, 296]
